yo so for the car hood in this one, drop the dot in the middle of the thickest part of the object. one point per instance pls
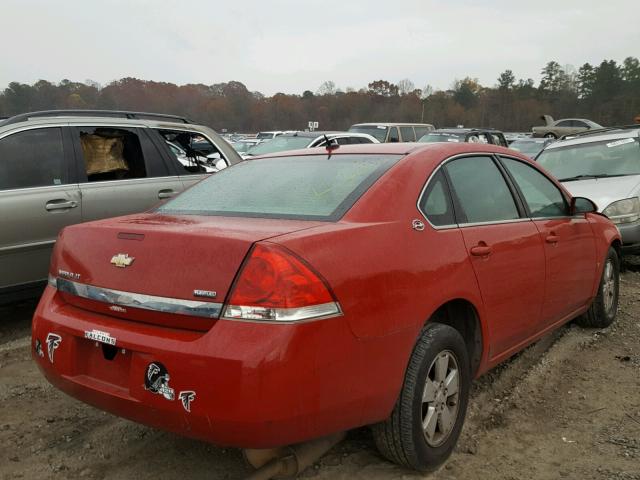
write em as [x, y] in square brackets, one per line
[604, 191]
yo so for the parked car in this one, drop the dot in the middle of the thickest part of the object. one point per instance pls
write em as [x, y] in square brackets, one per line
[513, 136]
[296, 315]
[297, 140]
[268, 135]
[530, 147]
[60, 167]
[470, 135]
[242, 146]
[195, 162]
[605, 167]
[393, 132]
[566, 126]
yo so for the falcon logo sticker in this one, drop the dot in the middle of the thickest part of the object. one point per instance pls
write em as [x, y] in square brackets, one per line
[187, 397]
[53, 342]
[156, 380]
[39, 351]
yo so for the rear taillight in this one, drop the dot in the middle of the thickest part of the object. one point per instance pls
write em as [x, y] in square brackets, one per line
[275, 285]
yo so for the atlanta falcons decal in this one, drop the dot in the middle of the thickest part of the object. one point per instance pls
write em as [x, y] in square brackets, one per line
[187, 397]
[39, 351]
[53, 342]
[156, 380]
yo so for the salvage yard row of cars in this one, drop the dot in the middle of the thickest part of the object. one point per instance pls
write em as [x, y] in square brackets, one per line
[261, 308]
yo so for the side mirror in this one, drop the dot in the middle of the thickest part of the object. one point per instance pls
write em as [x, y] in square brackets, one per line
[220, 164]
[582, 205]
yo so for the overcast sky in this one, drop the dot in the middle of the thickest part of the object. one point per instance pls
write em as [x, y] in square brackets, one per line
[291, 46]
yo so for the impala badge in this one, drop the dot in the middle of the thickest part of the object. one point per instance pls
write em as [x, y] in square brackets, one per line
[204, 293]
[122, 260]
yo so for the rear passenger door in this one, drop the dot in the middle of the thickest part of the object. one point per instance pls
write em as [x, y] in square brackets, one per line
[569, 242]
[504, 249]
[120, 171]
[39, 197]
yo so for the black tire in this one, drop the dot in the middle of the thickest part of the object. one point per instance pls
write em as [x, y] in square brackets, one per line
[401, 438]
[551, 135]
[602, 313]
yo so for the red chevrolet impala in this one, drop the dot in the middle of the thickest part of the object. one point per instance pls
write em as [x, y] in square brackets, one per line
[291, 297]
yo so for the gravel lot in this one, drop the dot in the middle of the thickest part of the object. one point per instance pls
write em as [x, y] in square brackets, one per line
[567, 407]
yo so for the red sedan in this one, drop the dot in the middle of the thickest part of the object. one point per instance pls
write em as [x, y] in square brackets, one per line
[290, 297]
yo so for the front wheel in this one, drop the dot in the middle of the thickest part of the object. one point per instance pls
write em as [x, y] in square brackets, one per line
[604, 308]
[427, 419]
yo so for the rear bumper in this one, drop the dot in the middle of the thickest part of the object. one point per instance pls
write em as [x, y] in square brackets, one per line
[255, 385]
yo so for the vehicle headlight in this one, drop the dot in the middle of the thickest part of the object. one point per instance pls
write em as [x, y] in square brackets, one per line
[623, 211]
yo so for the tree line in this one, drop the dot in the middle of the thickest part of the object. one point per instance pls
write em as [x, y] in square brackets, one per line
[608, 93]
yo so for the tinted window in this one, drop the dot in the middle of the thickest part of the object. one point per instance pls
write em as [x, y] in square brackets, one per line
[565, 123]
[578, 123]
[436, 202]
[481, 190]
[393, 135]
[303, 187]
[33, 158]
[111, 153]
[541, 196]
[379, 132]
[407, 134]
[420, 131]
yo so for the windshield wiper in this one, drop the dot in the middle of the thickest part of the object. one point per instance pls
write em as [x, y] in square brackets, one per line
[587, 177]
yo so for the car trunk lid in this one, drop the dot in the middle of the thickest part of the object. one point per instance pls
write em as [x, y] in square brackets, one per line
[174, 271]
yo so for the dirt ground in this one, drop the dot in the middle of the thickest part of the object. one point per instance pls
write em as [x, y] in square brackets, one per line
[567, 407]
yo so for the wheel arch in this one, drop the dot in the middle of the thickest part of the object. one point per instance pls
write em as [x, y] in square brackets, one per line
[463, 316]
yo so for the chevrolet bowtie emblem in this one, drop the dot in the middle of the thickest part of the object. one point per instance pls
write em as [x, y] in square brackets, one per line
[122, 260]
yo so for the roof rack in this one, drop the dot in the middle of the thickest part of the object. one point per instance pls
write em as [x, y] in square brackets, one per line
[596, 131]
[95, 113]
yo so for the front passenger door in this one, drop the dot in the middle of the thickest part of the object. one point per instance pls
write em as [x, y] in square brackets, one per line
[504, 249]
[569, 243]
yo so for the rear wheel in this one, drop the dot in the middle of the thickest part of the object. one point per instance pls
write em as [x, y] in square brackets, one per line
[426, 421]
[550, 135]
[604, 308]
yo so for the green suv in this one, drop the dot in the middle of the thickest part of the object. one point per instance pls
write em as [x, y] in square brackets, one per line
[63, 167]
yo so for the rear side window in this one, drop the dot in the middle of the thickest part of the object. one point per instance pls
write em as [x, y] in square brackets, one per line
[111, 153]
[393, 135]
[299, 187]
[542, 197]
[407, 134]
[32, 158]
[436, 202]
[481, 190]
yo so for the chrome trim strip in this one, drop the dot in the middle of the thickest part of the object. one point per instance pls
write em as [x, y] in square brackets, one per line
[25, 246]
[139, 300]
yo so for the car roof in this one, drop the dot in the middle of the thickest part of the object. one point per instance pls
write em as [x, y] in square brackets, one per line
[391, 124]
[316, 134]
[632, 131]
[463, 130]
[396, 149]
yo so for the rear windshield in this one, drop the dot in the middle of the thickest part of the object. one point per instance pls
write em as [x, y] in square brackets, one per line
[441, 137]
[314, 187]
[280, 144]
[379, 132]
[594, 159]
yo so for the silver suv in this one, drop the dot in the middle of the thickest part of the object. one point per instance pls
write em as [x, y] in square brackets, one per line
[604, 166]
[63, 167]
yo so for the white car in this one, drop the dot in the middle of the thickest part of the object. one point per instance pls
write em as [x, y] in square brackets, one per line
[299, 140]
[211, 163]
[603, 166]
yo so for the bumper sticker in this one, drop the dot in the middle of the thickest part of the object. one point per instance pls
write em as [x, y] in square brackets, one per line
[187, 397]
[39, 351]
[156, 380]
[99, 336]
[53, 342]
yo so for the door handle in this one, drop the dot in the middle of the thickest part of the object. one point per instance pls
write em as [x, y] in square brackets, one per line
[60, 204]
[167, 193]
[552, 238]
[481, 250]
